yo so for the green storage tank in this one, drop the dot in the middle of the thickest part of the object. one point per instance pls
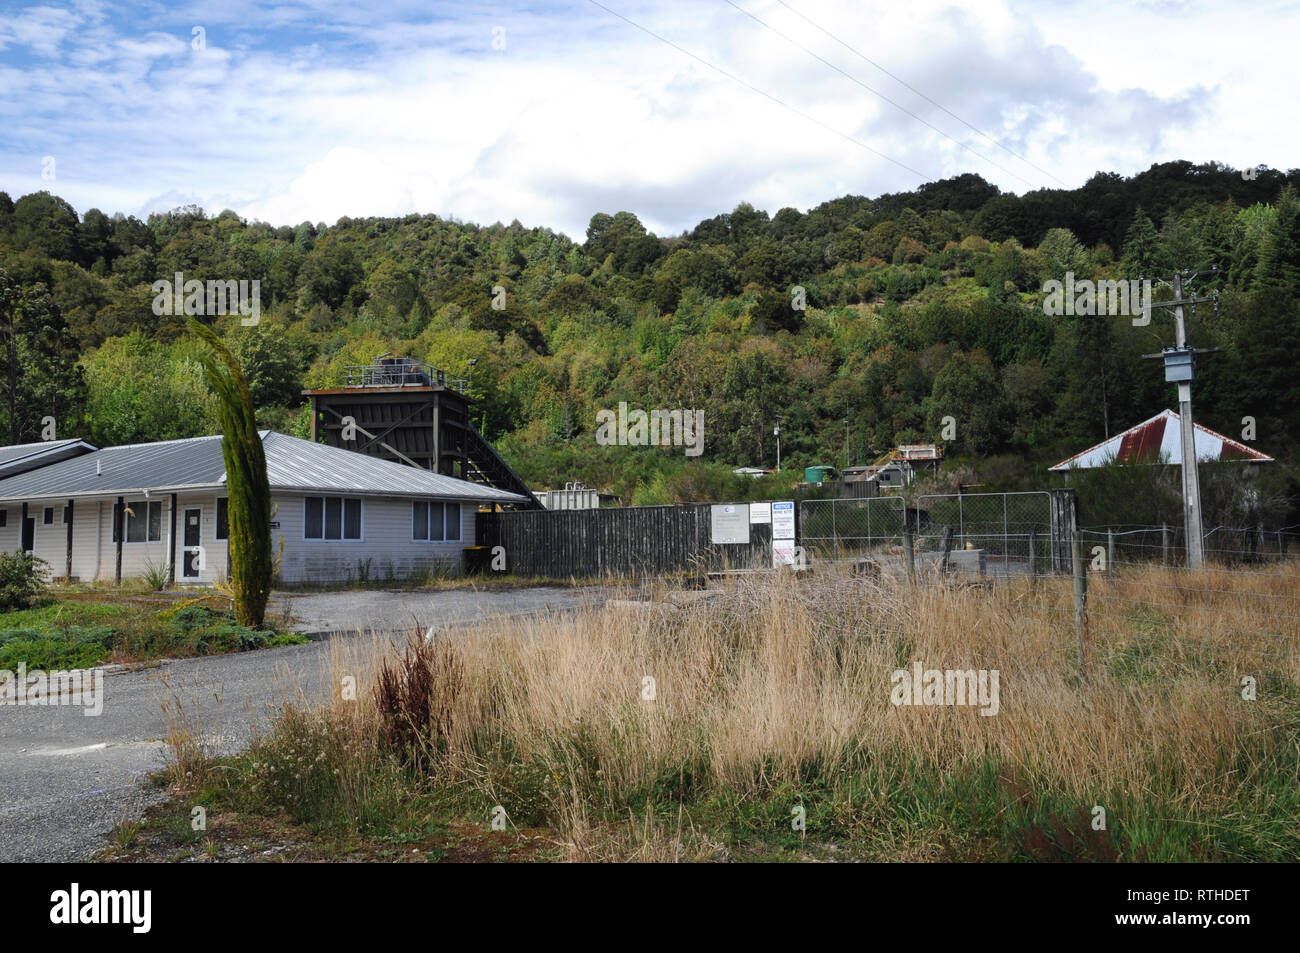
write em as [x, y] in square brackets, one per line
[819, 474]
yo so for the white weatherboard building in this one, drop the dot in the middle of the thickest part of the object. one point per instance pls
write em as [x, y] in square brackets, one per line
[112, 513]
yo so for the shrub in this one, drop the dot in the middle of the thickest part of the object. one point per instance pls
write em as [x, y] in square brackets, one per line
[156, 574]
[416, 697]
[22, 579]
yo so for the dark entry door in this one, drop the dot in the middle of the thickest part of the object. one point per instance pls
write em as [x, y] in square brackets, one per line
[29, 534]
[192, 539]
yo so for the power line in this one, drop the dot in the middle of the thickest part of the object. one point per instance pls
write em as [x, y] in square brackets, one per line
[843, 135]
[909, 86]
[874, 92]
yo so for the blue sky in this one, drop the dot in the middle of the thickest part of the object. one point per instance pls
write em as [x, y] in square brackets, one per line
[550, 112]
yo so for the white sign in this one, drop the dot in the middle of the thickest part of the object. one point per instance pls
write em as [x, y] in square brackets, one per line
[760, 512]
[730, 524]
[783, 519]
[786, 553]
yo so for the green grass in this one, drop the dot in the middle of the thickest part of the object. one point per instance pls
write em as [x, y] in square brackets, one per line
[897, 811]
[66, 633]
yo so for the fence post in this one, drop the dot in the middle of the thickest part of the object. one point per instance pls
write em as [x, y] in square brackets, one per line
[945, 544]
[835, 533]
[1110, 550]
[1064, 520]
[1164, 543]
[1033, 557]
[1281, 543]
[1080, 601]
[908, 553]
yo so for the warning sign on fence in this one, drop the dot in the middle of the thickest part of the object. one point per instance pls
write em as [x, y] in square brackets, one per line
[783, 519]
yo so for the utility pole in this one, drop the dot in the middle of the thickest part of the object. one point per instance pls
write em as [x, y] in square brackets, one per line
[776, 432]
[1180, 363]
[1194, 527]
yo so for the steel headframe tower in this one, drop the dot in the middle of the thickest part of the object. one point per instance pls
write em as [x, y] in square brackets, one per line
[1180, 369]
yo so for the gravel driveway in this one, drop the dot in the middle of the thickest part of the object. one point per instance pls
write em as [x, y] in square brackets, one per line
[67, 779]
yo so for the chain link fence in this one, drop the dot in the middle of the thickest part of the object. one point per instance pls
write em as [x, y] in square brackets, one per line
[849, 528]
[1002, 533]
[991, 533]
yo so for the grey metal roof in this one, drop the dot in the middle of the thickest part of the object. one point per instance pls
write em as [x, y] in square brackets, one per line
[292, 464]
[19, 457]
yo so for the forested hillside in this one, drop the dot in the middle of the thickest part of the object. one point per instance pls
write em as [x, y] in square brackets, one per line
[920, 305]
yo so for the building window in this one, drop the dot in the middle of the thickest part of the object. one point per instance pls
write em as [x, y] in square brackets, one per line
[47, 518]
[223, 518]
[331, 518]
[4, 517]
[143, 521]
[435, 522]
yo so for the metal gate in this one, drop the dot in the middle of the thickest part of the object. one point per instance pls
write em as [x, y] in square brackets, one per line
[1008, 532]
[837, 529]
[993, 533]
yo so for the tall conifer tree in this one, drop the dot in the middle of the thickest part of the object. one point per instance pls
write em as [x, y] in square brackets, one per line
[247, 484]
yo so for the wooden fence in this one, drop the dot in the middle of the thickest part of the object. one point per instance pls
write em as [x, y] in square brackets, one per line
[619, 541]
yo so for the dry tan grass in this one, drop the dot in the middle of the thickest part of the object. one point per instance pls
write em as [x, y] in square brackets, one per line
[777, 679]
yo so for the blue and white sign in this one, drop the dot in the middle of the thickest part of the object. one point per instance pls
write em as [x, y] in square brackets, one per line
[783, 519]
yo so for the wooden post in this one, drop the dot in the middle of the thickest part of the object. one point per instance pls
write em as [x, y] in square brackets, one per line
[171, 553]
[1080, 602]
[1064, 521]
[1164, 543]
[119, 520]
[945, 543]
[437, 435]
[71, 514]
[1110, 550]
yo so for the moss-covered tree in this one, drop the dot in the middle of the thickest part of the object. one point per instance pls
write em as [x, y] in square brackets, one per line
[246, 480]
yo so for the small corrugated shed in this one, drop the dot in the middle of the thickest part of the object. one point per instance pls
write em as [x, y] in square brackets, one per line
[1159, 440]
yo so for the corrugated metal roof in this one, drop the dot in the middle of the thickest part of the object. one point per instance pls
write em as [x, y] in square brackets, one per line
[1159, 439]
[19, 457]
[292, 464]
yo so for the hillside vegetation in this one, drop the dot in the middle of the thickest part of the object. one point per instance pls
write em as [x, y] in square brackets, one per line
[920, 305]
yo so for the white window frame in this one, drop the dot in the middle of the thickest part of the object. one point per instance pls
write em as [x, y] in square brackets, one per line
[460, 522]
[124, 529]
[361, 501]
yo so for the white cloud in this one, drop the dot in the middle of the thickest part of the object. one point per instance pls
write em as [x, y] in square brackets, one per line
[295, 113]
